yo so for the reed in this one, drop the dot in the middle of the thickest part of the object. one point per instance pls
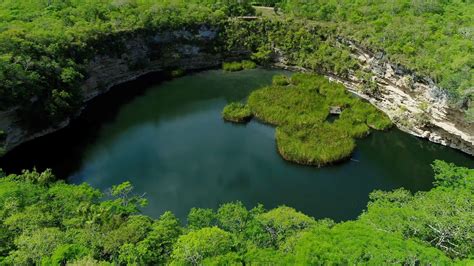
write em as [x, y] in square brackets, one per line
[299, 107]
[317, 145]
[236, 112]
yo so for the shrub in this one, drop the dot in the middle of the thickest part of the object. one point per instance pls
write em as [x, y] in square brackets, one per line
[379, 121]
[237, 112]
[262, 56]
[232, 66]
[195, 246]
[247, 64]
[470, 114]
[177, 73]
[237, 66]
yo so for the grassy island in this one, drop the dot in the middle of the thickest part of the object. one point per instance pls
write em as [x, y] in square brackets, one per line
[237, 113]
[299, 107]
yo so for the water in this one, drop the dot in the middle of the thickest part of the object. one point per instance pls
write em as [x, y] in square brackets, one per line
[170, 141]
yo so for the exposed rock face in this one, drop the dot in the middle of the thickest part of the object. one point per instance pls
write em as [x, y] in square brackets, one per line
[415, 104]
[142, 55]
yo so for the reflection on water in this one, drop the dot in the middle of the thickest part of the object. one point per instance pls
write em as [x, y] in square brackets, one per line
[171, 142]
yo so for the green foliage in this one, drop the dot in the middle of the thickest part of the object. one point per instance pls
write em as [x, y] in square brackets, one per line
[417, 34]
[68, 252]
[299, 108]
[280, 80]
[355, 243]
[470, 114]
[282, 223]
[237, 66]
[262, 55]
[199, 218]
[46, 46]
[55, 223]
[318, 144]
[195, 246]
[233, 217]
[247, 64]
[232, 66]
[449, 176]
[441, 217]
[301, 44]
[237, 112]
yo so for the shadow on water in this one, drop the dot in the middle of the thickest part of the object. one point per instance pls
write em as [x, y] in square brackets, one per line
[169, 140]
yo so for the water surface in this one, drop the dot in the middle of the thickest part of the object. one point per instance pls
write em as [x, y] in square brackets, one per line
[170, 141]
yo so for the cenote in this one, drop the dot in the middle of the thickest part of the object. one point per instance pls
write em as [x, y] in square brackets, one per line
[168, 138]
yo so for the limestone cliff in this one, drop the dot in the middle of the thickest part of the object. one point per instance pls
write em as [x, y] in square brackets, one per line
[415, 104]
[186, 49]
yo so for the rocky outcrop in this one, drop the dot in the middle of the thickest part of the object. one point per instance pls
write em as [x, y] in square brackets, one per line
[415, 104]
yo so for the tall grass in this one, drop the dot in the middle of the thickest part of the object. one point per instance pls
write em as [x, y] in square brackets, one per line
[237, 66]
[237, 112]
[299, 107]
[317, 144]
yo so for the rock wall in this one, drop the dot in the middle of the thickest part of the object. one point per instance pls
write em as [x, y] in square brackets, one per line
[415, 104]
[189, 49]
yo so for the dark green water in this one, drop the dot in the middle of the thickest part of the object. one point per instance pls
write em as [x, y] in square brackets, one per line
[172, 144]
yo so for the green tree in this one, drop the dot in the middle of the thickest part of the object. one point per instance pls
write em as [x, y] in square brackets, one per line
[199, 218]
[195, 246]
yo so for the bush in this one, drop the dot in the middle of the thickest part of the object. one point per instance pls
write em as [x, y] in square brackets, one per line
[232, 66]
[237, 66]
[247, 64]
[195, 246]
[237, 112]
[177, 73]
[379, 121]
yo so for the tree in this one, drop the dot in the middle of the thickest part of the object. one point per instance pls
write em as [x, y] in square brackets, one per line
[199, 218]
[233, 217]
[195, 246]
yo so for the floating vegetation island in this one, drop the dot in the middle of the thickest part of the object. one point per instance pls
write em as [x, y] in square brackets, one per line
[299, 107]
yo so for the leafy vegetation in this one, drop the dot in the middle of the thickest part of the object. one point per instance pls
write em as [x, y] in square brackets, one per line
[237, 112]
[299, 108]
[434, 38]
[301, 44]
[45, 46]
[237, 66]
[232, 66]
[316, 144]
[44, 221]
